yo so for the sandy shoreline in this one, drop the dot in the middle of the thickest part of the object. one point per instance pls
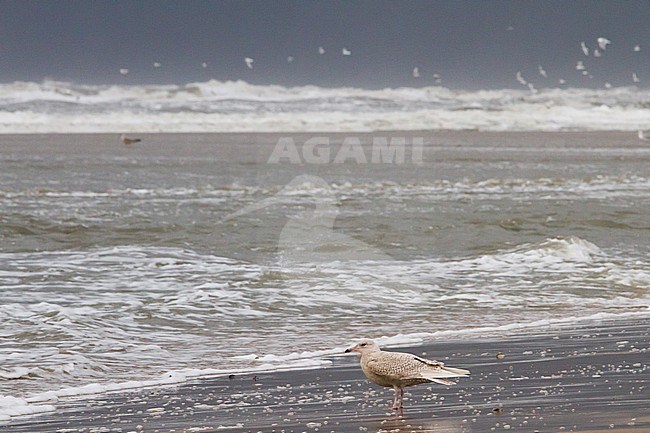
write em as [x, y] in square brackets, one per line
[587, 378]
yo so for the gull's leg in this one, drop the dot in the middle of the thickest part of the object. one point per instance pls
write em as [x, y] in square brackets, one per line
[395, 407]
[401, 399]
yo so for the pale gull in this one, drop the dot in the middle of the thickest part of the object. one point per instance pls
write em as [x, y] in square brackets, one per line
[603, 42]
[399, 370]
[521, 79]
[542, 71]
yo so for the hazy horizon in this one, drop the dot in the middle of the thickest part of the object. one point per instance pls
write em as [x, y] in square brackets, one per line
[469, 44]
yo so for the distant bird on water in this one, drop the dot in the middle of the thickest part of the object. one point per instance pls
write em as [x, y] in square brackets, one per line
[129, 141]
[399, 370]
[643, 136]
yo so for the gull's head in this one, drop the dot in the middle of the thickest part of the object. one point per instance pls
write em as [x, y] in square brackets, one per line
[363, 346]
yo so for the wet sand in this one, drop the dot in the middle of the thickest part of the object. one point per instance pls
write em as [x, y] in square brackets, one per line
[586, 378]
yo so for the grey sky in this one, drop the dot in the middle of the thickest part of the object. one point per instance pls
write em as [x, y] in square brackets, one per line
[467, 42]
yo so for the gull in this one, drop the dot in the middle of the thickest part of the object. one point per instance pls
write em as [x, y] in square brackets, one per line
[437, 79]
[584, 48]
[542, 72]
[156, 65]
[635, 77]
[399, 370]
[561, 81]
[608, 85]
[124, 71]
[642, 136]
[129, 141]
[637, 48]
[416, 72]
[346, 52]
[580, 66]
[597, 53]
[603, 42]
[249, 62]
[321, 50]
[204, 65]
[521, 79]
[289, 59]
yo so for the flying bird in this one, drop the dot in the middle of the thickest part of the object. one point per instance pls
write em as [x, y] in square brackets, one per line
[416, 72]
[542, 71]
[129, 141]
[580, 66]
[156, 65]
[635, 77]
[346, 52]
[204, 65]
[399, 370]
[521, 79]
[321, 50]
[637, 48]
[603, 42]
[597, 53]
[124, 71]
[289, 59]
[249, 62]
[585, 50]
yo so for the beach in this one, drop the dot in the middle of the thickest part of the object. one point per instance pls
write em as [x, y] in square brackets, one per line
[579, 378]
[190, 256]
[207, 207]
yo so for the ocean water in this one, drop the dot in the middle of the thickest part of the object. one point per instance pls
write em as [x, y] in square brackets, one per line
[192, 254]
[236, 106]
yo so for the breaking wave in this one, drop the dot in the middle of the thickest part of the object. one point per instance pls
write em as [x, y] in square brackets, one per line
[236, 106]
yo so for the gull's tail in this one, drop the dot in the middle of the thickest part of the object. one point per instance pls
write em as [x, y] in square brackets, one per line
[442, 374]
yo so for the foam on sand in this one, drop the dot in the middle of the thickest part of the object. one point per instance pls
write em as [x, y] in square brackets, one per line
[45, 402]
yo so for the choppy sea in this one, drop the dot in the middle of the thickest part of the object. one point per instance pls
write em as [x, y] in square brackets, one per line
[195, 254]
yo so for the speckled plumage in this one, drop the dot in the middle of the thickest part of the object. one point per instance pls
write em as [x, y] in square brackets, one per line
[399, 370]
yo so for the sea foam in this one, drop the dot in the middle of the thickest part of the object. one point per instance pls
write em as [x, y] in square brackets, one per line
[236, 106]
